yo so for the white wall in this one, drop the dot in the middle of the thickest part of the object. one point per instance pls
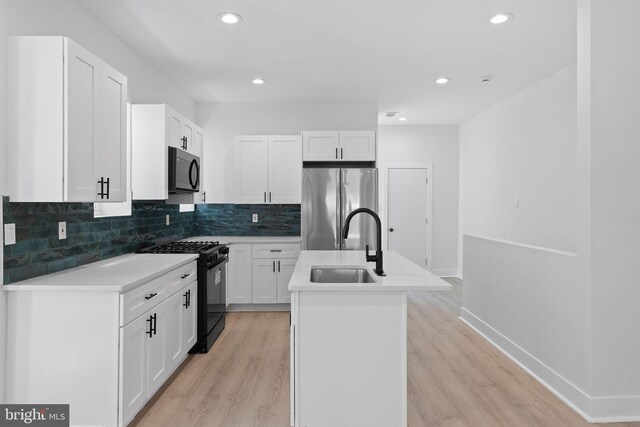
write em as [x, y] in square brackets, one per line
[524, 281]
[69, 18]
[519, 165]
[221, 122]
[439, 146]
[3, 177]
[610, 125]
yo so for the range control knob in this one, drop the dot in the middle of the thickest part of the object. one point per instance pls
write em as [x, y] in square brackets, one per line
[224, 250]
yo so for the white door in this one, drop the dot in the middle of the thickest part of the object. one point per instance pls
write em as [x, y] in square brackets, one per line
[358, 145]
[285, 269]
[407, 214]
[189, 318]
[156, 355]
[82, 84]
[320, 146]
[251, 160]
[110, 152]
[239, 281]
[285, 169]
[173, 337]
[133, 373]
[264, 281]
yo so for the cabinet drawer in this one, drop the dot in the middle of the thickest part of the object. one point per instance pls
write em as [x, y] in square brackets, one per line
[278, 250]
[181, 277]
[143, 298]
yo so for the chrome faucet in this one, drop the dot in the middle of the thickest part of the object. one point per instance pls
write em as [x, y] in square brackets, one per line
[377, 258]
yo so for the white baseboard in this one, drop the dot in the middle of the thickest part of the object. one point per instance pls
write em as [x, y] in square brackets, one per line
[259, 307]
[445, 272]
[593, 409]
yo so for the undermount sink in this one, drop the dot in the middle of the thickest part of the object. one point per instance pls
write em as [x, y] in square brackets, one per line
[341, 275]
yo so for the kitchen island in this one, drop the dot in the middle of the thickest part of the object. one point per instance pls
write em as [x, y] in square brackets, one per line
[349, 340]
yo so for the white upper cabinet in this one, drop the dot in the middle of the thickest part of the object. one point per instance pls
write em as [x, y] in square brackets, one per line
[67, 123]
[198, 150]
[358, 145]
[285, 169]
[154, 128]
[331, 146]
[269, 169]
[320, 146]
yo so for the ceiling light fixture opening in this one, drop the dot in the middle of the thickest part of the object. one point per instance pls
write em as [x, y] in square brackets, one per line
[230, 18]
[501, 18]
[443, 80]
[258, 81]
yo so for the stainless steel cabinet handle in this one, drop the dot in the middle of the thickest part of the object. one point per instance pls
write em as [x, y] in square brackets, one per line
[265, 197]
[336, 153]
[204, 196]
[278, 266]
[269, 196]
[341, 154]
[274, 266]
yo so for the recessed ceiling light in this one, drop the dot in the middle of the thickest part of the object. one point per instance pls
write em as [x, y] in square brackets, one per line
[230, 18]
[501, 18]
[257, 81]
[443, 80]
[402, 119]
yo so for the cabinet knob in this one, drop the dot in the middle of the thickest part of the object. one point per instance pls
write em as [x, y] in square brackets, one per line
[391, 230]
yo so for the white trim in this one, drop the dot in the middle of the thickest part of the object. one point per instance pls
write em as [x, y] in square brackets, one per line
[604, 409]
[524, 245]
[445, 272]
[384, 201]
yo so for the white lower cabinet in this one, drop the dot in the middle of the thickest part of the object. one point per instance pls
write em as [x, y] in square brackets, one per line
[106, 352]
[259, 273]
[153, 346]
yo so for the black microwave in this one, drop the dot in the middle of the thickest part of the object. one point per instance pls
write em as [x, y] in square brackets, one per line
[184, 171]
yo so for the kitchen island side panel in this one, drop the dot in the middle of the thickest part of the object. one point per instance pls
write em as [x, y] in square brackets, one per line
[351, 358]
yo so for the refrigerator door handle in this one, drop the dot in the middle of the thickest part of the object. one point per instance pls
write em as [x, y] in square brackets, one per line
[338, 208]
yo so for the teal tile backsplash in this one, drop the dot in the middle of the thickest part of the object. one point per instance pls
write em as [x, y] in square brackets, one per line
[38, 250]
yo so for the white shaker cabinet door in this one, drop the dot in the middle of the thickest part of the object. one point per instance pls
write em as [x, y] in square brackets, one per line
[285, 169]
[173, 340]
[133, 372]
[82, 115]
[320, 146]
[285, 269]
[189, 305]
[174, 129]
[358, 145]
[239, 267]
[157, 361]
[264, 281]
[252, 175]
[110, 153]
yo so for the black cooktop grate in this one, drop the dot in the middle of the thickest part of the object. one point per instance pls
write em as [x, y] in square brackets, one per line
[181, 248]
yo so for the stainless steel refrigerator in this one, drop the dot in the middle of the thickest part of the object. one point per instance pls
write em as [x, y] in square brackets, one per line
[328, 196]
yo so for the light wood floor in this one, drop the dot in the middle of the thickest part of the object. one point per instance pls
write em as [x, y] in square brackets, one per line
[456, 378]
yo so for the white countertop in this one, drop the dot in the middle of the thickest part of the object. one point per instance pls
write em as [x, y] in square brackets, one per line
[229, 240]
[402, 274]
[119, 274]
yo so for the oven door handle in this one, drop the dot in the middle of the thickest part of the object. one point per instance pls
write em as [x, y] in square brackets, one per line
[217, 264]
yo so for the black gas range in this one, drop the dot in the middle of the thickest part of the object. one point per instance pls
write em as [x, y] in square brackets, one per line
[212, 298]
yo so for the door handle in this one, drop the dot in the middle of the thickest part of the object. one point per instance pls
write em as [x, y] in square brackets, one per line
[336, 153]
[184, 276]
[150, 296]
[278, 266]
[150, 331]
[274, 266]
[269, 196]
[155, 323]
[265, 197]
[341, 154]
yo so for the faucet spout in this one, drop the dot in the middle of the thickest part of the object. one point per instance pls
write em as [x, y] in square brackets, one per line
[377, 258]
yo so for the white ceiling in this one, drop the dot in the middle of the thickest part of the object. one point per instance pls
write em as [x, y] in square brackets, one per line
[384, 51]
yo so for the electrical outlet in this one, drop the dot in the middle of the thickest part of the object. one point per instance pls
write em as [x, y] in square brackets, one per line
[168, 220]
[9, 234]
[62, 230]
[254, 218]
